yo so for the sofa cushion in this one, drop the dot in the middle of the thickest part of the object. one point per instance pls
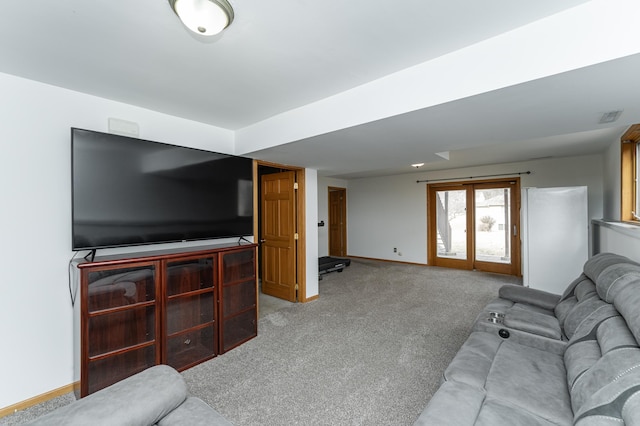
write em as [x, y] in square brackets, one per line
[581, 312]
[513, 375]
[457, 404]
[534, 322]
[603, 356]
[454, 403]
[141, 399]
[615, 278]
[531, 379]
[618, 403]
[570, 290]
[627, 302]
[194, 412]
[599, 263]
[474, 360]
[583, 289]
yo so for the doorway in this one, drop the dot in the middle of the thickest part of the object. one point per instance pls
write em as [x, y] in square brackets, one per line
[475, 225]
[279, 197]
[337, 221]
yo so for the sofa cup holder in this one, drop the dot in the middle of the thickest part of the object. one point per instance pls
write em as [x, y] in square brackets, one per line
[496, 318]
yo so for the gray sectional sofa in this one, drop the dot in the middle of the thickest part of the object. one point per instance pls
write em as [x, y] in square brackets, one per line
[534, 358]
[155, 396]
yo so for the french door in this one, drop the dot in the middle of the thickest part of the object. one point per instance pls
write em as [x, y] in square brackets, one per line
[475, 225]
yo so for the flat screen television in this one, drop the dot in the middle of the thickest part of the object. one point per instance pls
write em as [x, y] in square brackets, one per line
[128, 191]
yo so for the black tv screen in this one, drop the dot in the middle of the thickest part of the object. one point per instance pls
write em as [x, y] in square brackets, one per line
[128, 191]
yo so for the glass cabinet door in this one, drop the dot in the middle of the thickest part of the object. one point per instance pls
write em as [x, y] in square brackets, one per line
[238, 265]
[238, 294]
[120, 335]
[190, 312]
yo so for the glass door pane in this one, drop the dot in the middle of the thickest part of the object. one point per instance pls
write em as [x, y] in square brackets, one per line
[451, 224]
[493, 225]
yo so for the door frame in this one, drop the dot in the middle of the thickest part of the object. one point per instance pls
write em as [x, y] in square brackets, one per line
[343, 207]
[514, 268]
[301, 250]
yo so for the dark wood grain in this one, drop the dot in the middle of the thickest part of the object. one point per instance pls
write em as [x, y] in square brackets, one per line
[163, 307]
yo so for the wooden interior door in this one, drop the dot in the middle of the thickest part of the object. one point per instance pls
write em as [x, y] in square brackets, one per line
[278, 239]
[337, 222]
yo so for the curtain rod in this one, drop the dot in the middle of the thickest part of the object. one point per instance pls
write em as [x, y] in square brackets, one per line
[475, 177]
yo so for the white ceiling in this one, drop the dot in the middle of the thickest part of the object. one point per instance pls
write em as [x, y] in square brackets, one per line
[283, 55]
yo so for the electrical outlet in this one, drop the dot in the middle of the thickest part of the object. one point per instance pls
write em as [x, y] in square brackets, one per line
[395, 249]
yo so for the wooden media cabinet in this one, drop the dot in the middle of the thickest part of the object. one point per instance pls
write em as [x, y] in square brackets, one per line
[177, 307]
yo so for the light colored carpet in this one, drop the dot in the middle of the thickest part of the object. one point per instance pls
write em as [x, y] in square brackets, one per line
[370, 351]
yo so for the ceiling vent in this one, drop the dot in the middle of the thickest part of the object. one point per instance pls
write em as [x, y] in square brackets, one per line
[610, 117]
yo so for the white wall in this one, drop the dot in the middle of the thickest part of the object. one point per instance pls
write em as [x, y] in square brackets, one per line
[311, 231]
[387, 212]
[612, 181]
[36, 316]
[323, 210]
[391, 211]
[618, 238]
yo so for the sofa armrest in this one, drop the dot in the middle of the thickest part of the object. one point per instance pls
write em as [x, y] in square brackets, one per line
[530, 296]
[141, 399]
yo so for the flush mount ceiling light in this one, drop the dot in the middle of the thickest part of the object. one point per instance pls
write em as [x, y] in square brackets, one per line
[204, 17]
[417, 165]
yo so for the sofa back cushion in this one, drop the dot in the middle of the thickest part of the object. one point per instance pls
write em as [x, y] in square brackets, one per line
[600, 262]
[603, 356]
[627, 302]
[601, 271]
[615, 278]
[570, 290]
[584, 314]
[582, 289]
[617, 403]
[583, 350]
